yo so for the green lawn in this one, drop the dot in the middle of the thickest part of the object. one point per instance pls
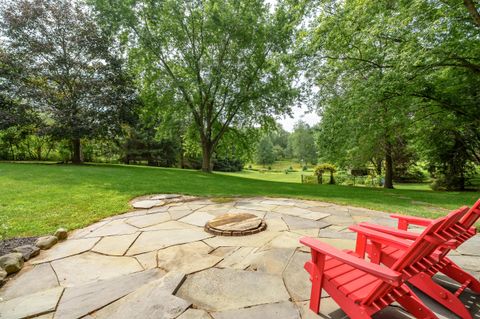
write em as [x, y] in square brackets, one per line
[35, 199]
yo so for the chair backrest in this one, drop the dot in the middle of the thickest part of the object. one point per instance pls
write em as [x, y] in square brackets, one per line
[472, 216]
[418, 257]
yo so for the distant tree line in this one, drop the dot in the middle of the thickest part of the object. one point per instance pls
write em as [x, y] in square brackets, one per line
[278, 144]
[170, 83]
[199, 84]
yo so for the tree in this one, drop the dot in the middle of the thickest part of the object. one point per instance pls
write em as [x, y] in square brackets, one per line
[264, 154]
[359, 72]
[225, 64]
[385, 68]
[68, 68]
[279, 138]
[302, 143]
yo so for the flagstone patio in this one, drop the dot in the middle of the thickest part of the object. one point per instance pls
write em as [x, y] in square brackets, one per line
[157, 262]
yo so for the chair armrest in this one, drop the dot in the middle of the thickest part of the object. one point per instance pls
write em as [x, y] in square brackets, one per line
[383, 273]
[381, 238]
[391, 231]
[405, 220]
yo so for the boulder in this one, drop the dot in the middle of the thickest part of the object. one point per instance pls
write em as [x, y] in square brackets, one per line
[3, 277]
[27, 251]
[46, 242]
[11, 263]
[61, 234]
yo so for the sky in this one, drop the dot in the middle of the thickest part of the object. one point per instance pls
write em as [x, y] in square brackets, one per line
[310, 118]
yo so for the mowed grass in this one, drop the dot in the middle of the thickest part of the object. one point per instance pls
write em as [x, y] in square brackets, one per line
[35, 199]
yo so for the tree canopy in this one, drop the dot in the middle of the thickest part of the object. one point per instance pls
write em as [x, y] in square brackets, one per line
[394, 75]
[65, 67]
[226, 64]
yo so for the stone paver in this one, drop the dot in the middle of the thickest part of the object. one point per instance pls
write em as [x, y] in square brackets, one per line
[197, 218]
[224, 289]
[115, 245]
[27, 306]
[195, 314]
[148, 241]
[68, 248]
[133, 265]
[148, 203]
[187, 258]
[151, 301]
[149, 220]
[148, 260]
[471, 247]
[81, 300]
[295, 222]
[31, 280]
[281, 310]
[114, 227]
[255, 240]
[87, 267]
[297, 282]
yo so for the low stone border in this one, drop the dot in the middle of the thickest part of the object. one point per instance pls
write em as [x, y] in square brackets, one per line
[13, 262]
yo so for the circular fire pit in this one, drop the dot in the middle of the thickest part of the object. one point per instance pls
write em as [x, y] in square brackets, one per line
[241, 224]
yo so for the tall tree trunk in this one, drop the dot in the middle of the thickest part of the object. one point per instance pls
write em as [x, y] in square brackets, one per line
[182, 157]
[207, 150]
[77, 151]
[470, 5]
[388, 166]
[378, 166]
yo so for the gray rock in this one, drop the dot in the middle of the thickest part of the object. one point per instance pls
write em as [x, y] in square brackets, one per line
[11, 263]
[61, 234]
[27, 251]
[3, 276]
[46, 242]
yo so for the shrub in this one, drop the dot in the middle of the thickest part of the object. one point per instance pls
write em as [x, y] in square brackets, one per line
[438, 185]
[414, 174]
[225, 164]
[448, 183]
[304, 168]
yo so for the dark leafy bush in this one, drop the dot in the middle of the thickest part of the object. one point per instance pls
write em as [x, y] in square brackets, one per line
[225, 164]
[414, 174]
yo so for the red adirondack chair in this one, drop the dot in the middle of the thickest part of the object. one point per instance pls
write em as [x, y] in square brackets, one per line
[362, 288]
[388, 254]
